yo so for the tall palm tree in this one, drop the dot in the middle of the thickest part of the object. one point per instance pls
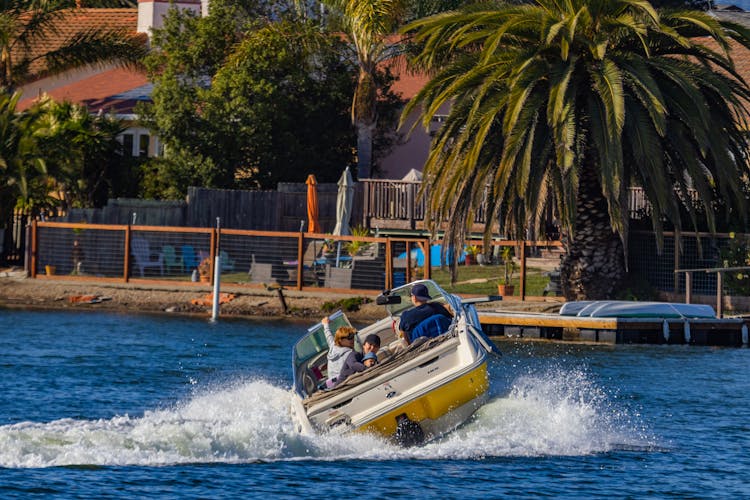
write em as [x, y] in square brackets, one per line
[583, 99]
[368, 23]
[27, 28]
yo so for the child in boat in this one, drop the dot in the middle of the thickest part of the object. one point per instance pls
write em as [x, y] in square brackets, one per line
[370, 359]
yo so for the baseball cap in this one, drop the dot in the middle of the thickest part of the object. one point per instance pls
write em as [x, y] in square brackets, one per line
[420, 292]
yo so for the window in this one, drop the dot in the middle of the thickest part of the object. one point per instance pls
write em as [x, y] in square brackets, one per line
[143, 141]
[127, 144]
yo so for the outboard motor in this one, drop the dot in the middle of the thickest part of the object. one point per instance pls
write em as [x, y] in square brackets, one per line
[408, 432]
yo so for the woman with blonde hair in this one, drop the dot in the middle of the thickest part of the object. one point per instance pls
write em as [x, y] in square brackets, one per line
[341, 353]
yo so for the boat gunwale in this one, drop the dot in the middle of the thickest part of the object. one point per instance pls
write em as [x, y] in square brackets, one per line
[448, 341]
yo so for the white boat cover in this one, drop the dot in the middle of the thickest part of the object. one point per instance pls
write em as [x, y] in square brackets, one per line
[632, 309]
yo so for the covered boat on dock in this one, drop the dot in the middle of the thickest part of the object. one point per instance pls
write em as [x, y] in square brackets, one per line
[635, 309]
[415, 392]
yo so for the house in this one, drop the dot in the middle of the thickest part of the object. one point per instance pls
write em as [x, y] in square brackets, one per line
[108, 89]
[118, 90]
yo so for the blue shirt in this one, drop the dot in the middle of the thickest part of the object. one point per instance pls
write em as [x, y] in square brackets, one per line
[412, 317]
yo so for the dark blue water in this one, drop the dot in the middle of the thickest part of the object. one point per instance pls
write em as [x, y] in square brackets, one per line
[104, 405]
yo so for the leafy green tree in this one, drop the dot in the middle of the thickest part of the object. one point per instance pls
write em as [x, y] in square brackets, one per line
[25, 50]
[245, 102]
[22, 168]
[279, 106]
[82, 153]
[583, 99]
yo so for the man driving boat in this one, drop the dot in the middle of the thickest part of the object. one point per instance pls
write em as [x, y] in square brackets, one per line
[425, 319]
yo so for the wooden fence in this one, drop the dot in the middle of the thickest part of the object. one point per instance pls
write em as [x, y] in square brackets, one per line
[186, 256]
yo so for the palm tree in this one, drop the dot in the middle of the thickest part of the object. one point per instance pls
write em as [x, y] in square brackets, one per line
[368, 23]
[583, 99]
[79, 150]
[22, 169]
[26, 48]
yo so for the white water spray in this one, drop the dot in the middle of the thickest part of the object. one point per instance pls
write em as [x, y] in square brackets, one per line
[550, 414]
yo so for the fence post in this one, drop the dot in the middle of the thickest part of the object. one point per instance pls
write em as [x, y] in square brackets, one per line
[720, 294]
[34, 245]
[388, 264]
[677, 266]
[427, 259]
[410, 212]
[689, 287]
[300, 256]
[212, 255]
[126, 271]
[408, 262]
[522, 283]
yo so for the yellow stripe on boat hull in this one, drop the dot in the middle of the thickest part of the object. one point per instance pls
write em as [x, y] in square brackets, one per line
[435, 403]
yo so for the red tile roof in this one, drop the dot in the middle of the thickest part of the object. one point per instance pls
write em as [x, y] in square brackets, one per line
[98, 91]
[74, 21]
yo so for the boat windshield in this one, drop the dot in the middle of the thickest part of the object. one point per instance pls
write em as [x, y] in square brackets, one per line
[438, 295]
[314, 342]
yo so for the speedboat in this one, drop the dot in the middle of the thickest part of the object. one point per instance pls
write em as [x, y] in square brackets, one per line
[415, 393]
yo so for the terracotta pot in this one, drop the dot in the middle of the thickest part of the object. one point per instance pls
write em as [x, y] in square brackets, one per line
[505, 290]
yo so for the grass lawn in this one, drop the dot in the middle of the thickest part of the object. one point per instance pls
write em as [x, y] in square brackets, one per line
[483, 280]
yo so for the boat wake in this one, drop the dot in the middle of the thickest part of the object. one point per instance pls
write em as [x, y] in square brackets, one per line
[249, 421]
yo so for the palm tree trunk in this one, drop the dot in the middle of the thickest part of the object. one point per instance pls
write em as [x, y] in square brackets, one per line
[364, 150]
[594, 263]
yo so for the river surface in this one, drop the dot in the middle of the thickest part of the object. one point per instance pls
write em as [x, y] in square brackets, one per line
[129, 406]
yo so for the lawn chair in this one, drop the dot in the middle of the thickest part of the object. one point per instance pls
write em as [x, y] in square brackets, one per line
[189, 259]
[227, 264]
[171, 260]
[313, 264]
[260, 272]
[144, 259]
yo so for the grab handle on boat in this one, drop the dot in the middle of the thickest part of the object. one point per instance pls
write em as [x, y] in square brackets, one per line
[485, 342]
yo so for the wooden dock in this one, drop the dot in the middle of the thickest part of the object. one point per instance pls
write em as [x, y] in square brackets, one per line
[713, 332]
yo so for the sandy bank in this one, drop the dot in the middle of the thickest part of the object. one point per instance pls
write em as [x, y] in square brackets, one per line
[17, 291]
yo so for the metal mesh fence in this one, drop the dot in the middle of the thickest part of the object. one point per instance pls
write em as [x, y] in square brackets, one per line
[73, 251]
[645, 260]
[696, 252]
[253, 258]
[169, 255]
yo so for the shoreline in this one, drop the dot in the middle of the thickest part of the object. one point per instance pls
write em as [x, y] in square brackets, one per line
[19, 292]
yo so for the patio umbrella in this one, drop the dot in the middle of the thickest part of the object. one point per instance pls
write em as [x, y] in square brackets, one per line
[312, 204]
[344, 200]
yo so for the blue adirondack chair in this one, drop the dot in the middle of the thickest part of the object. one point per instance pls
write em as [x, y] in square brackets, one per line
[189, 258]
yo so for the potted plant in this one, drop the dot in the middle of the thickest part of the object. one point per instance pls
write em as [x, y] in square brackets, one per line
[204, 270]
[355, 247]
[505, 287]
[471, 254]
